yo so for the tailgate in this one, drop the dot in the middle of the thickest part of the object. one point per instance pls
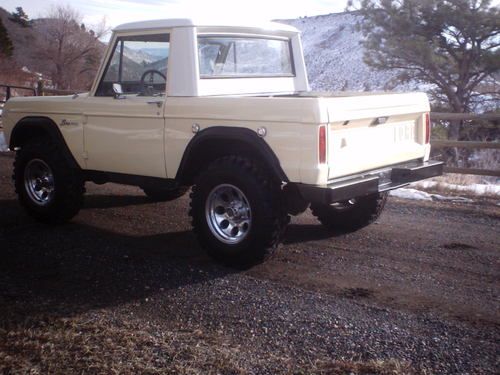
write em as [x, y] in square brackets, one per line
[373, 131]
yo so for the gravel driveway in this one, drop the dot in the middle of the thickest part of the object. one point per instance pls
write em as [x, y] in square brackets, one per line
[125, 288]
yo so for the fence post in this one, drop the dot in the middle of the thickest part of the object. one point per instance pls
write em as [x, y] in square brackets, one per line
[39, 88]
[7, 95]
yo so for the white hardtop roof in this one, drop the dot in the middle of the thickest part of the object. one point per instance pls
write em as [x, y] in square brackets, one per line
[189, 22]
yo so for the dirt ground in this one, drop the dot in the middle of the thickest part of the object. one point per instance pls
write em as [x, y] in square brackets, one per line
[125, 288]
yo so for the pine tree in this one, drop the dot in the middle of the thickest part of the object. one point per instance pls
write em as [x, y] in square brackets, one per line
[20, 17]
[451, 44]
[6, 46]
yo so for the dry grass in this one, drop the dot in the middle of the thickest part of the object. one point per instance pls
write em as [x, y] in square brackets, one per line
[84, 345]
[389, 367]
[97, 343]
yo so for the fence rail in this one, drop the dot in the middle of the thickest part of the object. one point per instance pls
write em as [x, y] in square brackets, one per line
[39, 91]
[8, 91]
[45, 92]
[490, 117]
[464, 116]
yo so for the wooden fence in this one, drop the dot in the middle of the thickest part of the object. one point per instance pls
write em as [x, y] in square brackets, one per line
[439, 144]
[9, 90]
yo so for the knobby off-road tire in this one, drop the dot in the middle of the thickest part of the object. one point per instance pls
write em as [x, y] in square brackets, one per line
[237, 212]
[165, 195]
[349, 216]
[47, 187]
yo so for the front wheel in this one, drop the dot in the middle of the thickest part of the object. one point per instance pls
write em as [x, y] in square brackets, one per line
[47, 187]
[237, 212]
[351, 215]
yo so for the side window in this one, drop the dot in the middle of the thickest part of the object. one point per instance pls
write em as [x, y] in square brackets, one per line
[139, 64]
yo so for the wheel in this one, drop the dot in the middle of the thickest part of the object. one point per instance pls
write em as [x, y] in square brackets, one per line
[49, 189]
[351, 215]
[165, 195]
[237, 212]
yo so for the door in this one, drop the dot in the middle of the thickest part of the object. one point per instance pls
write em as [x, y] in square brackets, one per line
[124, 133]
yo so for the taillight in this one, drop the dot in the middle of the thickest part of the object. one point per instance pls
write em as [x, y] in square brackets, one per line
[322, 144]
[427, 128]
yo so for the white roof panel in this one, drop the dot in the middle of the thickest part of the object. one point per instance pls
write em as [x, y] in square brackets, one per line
[189, 22]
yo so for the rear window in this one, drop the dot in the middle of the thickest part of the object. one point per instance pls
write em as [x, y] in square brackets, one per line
[244, 57]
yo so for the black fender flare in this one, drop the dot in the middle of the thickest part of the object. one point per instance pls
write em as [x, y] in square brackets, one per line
[34, 126]
[218, 141]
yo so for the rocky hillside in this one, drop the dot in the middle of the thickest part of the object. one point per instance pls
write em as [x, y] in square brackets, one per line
[22, 39]
[58, 48]
[334, 56]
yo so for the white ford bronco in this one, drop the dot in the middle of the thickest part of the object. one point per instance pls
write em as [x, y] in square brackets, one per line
[227, 111]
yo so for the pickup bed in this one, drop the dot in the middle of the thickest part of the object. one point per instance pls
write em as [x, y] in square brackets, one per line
[225, 110]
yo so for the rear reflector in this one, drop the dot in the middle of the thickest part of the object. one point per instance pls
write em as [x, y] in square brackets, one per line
[427, 128]
[322, 144]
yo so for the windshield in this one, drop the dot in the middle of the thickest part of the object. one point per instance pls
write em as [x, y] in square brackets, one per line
[234, 57]
[139, 64]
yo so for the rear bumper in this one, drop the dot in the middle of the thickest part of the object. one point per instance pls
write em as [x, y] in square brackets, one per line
[371, 182]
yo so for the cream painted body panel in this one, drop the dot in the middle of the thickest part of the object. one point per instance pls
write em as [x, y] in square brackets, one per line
[361, 145]
[291, 125]
[57, 108]
[133, 137]
[125, 135]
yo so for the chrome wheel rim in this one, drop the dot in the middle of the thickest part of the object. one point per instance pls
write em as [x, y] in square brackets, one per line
[228, 214]
[39, 182]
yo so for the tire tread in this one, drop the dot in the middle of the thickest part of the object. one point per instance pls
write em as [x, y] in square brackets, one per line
[68, 200]
[275, 215]
[367, 210]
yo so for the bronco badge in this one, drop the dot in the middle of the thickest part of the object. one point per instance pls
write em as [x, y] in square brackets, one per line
[65, 122]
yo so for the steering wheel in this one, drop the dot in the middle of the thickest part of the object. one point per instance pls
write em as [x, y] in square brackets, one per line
[151, 73]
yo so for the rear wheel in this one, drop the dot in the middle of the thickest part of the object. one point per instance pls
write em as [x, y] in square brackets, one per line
[165, 195]
[237, 212]
[349, 216]
[47, 187]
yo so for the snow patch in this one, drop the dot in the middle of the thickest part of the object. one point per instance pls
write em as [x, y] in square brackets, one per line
[411, 194]
[415, 194]
[3, 144]
[473, 189]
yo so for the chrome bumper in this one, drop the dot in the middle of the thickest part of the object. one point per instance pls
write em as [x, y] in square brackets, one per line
[371, 182]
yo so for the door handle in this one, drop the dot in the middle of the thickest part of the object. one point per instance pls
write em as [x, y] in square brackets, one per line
[158, 103]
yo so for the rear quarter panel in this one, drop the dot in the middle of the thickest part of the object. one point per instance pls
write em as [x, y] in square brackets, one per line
[291, 125]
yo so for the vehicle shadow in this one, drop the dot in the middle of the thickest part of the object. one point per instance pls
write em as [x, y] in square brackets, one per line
[69, 269]
[110, 201]
[298, 233]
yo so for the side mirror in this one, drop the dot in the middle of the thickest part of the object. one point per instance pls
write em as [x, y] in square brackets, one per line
[118, 90]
